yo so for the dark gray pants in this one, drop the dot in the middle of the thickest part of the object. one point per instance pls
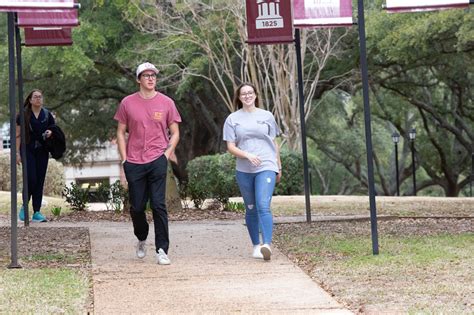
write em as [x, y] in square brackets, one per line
[147, 182]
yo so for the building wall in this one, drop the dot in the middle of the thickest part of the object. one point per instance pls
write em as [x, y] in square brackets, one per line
[104, 163]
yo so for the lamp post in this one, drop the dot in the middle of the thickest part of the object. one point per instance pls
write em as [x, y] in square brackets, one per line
[472, 173]
[412, 135]
[395, 139]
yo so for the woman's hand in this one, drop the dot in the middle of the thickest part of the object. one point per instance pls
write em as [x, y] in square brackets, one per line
[278, 178]
[48, 133]
[18, 158]
[253, 159]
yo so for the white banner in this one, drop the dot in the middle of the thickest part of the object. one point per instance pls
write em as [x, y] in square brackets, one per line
[32, 5]
[322, 13]
[424, 5]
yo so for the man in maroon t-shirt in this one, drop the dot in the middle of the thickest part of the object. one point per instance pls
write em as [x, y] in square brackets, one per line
[151, 120]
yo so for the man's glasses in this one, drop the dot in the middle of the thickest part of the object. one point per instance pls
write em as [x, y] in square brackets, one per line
[247, 94]
[149, 76]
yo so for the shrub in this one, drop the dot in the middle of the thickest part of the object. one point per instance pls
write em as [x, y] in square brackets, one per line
[212, 176]
[76, 197]
[53, 184]
[236, 206]
[102, 194]
[5, 178]
[56, 211]
[118, 196]
[292, 182]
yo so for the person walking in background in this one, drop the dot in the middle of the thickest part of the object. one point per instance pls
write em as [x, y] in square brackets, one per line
[250, 135]
[151, 120]
[38, 122]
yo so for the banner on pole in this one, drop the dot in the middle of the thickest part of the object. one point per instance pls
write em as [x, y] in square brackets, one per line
[269, 21]
[39, 36]
[322, 13]
[395, 6]
[32, 5]
[48, 18]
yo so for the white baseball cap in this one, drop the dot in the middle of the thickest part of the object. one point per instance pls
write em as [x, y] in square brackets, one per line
[146, 66]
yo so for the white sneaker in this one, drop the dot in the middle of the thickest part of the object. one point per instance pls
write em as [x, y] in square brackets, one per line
[162, 257]
[256, 252]
[266, 251]
[141, 249]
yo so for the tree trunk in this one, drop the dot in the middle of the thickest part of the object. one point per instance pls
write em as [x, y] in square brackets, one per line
[173, 200]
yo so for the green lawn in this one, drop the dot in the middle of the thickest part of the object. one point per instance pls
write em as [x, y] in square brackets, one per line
[51, 202]
[423, 266]
[43, 291]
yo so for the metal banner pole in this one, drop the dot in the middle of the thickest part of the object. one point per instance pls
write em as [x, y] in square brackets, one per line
[303, 125]
[11, 101]
[21, 111]
[368, 132]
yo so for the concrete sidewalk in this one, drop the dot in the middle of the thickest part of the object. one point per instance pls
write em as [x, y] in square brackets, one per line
[212, 271]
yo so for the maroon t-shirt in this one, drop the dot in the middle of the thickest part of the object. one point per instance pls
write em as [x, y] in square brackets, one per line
[147, 122]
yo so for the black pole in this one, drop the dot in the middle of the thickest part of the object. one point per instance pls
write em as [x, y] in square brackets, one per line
[396, 169]
[21, 111]
[368, 132]
[11, 102]
[303, 125]
[413, 165]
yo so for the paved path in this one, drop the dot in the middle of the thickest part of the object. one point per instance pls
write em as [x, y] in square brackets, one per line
[211, 272]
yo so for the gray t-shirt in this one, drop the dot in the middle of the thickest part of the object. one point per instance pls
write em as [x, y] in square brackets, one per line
[253, 132]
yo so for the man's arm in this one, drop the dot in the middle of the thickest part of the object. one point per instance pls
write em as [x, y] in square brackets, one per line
[121, 144]
[174, 139]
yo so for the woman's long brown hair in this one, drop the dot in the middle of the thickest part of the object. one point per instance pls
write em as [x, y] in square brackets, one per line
[237, 102]
[27, 109]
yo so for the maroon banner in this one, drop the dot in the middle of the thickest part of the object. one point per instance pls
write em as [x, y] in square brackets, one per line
[48, 18]
[269, 21]
[395, 6]
[322, 13]
[33, 5]
[48, 36]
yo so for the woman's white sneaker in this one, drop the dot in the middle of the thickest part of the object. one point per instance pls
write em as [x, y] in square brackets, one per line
[266, 251]
[256, 252]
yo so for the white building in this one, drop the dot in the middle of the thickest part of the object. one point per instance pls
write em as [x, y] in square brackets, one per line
[99, 166]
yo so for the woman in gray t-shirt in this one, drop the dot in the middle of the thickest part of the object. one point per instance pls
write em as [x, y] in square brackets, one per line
[250, 135]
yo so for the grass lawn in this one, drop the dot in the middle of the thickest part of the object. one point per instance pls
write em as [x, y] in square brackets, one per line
[55, 275]
[45, 291]
[50, 203]
[424, 265]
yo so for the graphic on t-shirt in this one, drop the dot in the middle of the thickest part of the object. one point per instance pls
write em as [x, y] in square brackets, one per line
[157, 115]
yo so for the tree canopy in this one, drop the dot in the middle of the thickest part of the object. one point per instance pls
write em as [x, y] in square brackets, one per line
[420, 72]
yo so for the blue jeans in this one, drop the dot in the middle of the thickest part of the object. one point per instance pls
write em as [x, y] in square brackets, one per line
[257, 190]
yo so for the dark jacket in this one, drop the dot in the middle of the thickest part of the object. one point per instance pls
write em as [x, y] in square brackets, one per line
[56, 143]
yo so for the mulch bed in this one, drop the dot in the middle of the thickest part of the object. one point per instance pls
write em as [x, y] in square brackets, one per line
[51, 247]
[183, 215]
